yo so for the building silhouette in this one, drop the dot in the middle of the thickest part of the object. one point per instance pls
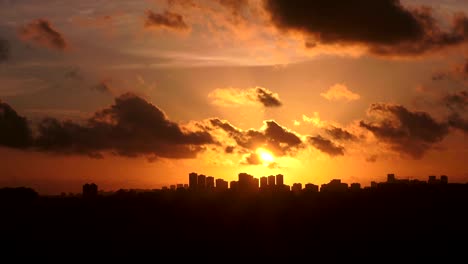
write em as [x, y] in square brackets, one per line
[263, 182]
[296, 188]
[221, 185]
[193, 180]
[90, 190]
[271, 181]
[201, 182]
[210, 183]
[334, 185]
[279, 180]
[311, 187]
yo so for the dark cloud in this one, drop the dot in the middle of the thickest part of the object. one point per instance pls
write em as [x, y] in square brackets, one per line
[340, 134]
[131, 127]
[326, 146]
[252, 159]
[462, 70]
[455, 120]
[411, 133]
[439, 76]
[166, 19]
[272, 136]
[74, 74]
[372, 158]
[14, 129]
[4, 50]
[42, 33]
[267, 98]
[457, 101]
[386, 27]
[229, 149]
[103, 87]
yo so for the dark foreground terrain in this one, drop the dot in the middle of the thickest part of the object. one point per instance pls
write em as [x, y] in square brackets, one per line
[388, 222]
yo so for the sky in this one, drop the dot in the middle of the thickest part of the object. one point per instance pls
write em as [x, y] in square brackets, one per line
[138, 94]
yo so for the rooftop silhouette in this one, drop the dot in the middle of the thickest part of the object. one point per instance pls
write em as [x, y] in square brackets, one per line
[267, 217]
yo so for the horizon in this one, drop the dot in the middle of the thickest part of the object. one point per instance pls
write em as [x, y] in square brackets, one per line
[133, 95]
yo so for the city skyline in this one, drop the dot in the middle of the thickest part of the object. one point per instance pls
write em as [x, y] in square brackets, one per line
[135, 94]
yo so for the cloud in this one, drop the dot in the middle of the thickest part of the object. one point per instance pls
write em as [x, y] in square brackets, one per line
[267, 98]
[232, 97]
[42, 33]
[439, 76]
[326, 146]
[455, 120]
[372, 158]
[4, 50]
[462, 70]
[14, 129]
[314, 120]
[167, 19]
[340, 134]
[340, 92]
[279, 140]
[131, 127]
[103, 87]
[456, 101]
[385, 27]
[251, 159]
[407, 132]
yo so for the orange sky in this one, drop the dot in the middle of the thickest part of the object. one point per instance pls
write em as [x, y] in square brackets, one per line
[137, 94]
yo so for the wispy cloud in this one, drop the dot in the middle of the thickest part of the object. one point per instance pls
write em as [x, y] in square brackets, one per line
[340, 92]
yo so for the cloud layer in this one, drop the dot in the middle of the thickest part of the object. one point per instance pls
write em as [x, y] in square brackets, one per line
[42, 33]
[385, 27]
[407, 132]
[232, 97]
[131, 127]
[167, 19]
[340, 92]
[4, 50]
[14, 129]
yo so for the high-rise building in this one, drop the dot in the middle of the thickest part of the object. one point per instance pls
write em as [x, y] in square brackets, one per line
[255, 183]
[90, 190]
[391, 178]
[245, 182]
[221, 185]
[193, 179]
[210, 183]
[334, 185]
[263, 182]
[443, 179]
[297, 187]
[271, 181]
[201, 182]
[432, 179]
[279, 180]
[180, 186]
[311, 187]
[173, 187]
[233, 185]
[355, 186]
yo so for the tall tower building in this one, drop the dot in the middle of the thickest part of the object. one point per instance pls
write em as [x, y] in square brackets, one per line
[201, 182]
[271, 181]
[193, 179]
[279, 180]
[210, 183]
[263, 182]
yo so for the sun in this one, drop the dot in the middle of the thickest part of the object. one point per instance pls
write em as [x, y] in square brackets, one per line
[266, 156]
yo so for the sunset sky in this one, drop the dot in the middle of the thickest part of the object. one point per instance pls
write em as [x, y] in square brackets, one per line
[137, 94]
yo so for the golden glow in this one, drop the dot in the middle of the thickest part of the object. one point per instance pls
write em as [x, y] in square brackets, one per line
[266, 156]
